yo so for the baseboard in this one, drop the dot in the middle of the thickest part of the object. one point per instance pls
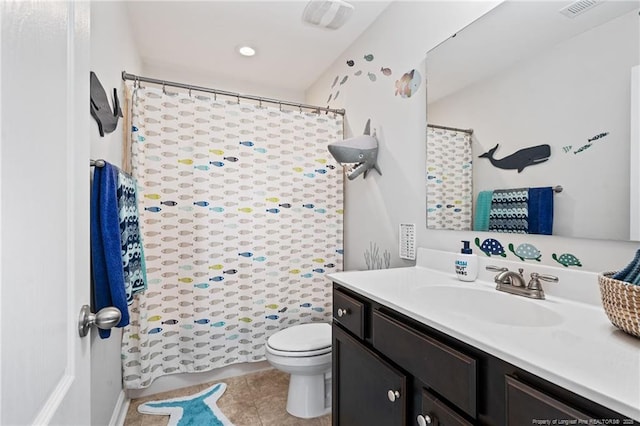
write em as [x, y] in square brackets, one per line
[120, 410]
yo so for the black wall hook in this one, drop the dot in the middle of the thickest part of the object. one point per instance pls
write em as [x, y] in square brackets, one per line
[101, 111]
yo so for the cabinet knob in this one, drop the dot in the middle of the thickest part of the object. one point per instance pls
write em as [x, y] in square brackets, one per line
[343, 312]
[427, 419]
[393, 395]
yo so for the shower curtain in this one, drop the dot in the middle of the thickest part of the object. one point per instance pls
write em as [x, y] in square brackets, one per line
[449, 179]
[241, 215]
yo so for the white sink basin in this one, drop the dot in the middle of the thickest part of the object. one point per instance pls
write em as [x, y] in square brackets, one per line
[487, 305]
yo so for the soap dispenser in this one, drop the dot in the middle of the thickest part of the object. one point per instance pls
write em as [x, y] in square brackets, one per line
[466, 264]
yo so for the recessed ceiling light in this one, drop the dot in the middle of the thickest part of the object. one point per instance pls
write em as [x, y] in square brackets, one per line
[246, 51]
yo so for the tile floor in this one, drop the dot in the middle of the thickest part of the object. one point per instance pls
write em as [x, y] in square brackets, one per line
[257, 399]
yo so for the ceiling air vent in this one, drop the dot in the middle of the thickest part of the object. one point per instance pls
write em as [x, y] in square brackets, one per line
[330, 14]
[578, 7]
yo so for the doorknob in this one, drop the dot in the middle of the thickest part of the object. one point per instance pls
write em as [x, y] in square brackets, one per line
[105, 319]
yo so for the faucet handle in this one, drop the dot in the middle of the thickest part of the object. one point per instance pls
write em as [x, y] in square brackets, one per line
[534, 284]
[496, 268]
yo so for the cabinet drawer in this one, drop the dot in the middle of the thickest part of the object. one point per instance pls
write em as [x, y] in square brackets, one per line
[349, 312]
[525, 405]
[435, 412]
[445, 370]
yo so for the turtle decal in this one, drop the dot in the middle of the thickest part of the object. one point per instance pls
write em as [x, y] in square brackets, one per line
[526, 251]
[567, 259]
[491, 247]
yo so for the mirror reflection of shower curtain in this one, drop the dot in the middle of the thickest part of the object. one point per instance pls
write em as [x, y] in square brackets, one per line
[449, 179]
[241, 215]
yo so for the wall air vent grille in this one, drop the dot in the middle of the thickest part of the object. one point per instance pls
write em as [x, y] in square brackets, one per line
[331, 14]
[578, 7]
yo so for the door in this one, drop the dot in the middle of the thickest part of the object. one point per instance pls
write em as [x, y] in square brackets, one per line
[366, 390]
[44, 217]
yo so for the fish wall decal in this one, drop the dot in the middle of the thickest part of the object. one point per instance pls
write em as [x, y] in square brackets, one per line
[520, 159]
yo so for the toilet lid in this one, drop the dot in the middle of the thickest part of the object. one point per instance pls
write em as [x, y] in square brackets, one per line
[302, 338]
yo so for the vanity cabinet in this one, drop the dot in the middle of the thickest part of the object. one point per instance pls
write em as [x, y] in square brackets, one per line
[391, 370]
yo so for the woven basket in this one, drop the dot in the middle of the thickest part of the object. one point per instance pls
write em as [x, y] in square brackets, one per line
[621, 302]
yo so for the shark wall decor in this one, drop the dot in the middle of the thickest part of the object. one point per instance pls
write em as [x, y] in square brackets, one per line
[360, 153]
[520, 159]
[101, 111]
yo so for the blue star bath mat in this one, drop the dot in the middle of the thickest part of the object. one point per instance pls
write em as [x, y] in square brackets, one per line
[192, 410]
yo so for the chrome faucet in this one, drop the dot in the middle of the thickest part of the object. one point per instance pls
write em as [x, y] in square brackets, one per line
[514, 282]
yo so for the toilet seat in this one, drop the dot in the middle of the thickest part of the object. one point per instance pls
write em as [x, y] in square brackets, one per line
[304, 340]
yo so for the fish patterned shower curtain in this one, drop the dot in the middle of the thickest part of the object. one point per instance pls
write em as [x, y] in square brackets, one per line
[449, 179]
[241, 211]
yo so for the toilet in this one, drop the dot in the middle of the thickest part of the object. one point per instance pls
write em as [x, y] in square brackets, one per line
[304, 351]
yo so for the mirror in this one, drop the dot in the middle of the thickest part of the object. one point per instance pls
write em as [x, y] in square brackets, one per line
[527, 98]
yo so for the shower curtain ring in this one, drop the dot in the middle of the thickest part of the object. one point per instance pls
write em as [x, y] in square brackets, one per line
[300, 107]
[189, 91]
[164, 89]
[280, 105]
[238, 96]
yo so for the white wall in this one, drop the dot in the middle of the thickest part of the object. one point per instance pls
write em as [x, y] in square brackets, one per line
[112, 51]
[213, 81]
[374, 207]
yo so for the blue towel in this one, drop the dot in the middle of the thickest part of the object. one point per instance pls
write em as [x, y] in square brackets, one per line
[483, 208]
[631, 272]
[106, 257]
[133, 264]
[541, 211]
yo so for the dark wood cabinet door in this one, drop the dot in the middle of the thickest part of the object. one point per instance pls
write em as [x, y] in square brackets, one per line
[435, 412]
[361, 385]
[447, 371]
[527, 406]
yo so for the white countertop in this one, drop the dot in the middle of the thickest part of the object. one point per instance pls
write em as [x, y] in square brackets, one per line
[584, 353]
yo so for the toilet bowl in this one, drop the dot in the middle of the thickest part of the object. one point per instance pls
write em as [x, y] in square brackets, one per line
[304, 351]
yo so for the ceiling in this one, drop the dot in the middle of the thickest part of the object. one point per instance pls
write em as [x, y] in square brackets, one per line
[202, 37]
[520, 36]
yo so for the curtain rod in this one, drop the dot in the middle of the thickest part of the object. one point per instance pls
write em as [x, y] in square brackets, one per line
[455, 129]
[137, 78]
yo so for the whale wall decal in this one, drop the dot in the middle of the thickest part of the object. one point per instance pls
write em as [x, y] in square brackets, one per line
[519, 159]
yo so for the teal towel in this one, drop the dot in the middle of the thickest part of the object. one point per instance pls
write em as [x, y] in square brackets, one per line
[483, 208]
